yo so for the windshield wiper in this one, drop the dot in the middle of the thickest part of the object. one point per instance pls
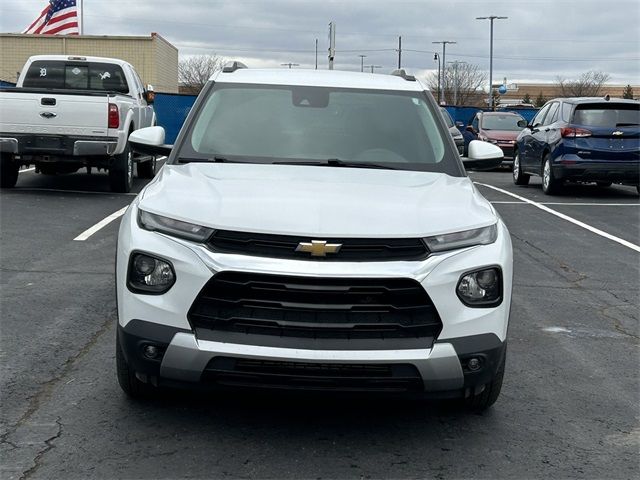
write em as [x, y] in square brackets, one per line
[215, 159]
[336, 162]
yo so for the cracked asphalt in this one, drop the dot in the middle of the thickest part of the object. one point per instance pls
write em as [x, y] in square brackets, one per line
[569, 406]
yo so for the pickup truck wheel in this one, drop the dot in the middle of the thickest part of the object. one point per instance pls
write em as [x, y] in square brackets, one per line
[121, 171]
[483, 400]
[147, 169]
[550, 185]
[8, 171]
[519, 178]
[604, 184]
[127, 379]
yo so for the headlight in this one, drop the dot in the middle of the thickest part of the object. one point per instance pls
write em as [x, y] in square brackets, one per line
[176, 228]
[466, 238]
[481, 288]
[149, 274]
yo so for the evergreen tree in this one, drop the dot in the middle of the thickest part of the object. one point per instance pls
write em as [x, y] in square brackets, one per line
[540, 100]
[526, 98]
[628, 92]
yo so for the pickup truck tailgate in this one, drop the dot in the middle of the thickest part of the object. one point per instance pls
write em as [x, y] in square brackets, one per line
[24, 111]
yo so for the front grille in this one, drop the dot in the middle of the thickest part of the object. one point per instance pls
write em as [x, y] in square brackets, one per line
[284, 246]
[312, 376]
[315, 308]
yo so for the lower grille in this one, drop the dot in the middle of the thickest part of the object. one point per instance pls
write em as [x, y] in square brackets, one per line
[314, 308]
[312, 376]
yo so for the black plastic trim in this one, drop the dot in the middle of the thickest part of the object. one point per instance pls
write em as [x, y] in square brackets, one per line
[487, 347]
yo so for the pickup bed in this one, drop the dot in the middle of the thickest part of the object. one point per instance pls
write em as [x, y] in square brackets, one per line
[73, 112]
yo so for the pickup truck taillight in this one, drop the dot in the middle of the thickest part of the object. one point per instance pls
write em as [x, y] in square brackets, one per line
[574, 132]
[114, 116]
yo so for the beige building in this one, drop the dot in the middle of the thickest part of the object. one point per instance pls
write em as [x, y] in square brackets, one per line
[153, 57]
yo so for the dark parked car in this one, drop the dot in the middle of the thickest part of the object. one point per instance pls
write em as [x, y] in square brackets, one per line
[581, 139]
[499, 128]
[453, 130]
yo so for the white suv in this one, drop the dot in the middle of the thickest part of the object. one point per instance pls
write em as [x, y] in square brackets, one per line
[314, 230]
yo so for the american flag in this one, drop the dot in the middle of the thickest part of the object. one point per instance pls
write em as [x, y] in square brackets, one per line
[60, 17]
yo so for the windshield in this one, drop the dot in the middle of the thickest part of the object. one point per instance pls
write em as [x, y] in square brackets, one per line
[299, 124]
[607, 115]
[447, 118]
[77, 75]
[501, 122]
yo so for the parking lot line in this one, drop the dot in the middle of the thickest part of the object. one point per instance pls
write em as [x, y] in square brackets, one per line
[571, 204]
[26, 169]
[544, 208]
[101, 224]
[36, 189]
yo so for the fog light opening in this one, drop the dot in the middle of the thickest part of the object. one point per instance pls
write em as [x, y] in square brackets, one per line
[151, 351]
[474, 364]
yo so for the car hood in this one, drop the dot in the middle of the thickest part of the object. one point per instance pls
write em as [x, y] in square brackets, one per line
[501, 134]
[317, 201]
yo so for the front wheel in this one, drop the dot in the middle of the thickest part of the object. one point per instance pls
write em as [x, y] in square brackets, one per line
[127, 379]
[603, 184]
[121, 171]
[519, 178]
[550, 185]
[8, 171]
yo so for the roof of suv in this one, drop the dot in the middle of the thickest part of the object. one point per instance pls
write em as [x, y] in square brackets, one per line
[579, 100]
[319, 78]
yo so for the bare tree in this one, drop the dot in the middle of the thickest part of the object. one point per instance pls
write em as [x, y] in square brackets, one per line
[468, 78]
[589, 84]
[195, 71]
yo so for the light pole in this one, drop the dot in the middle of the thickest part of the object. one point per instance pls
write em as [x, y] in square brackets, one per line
[444, 64]
[316, 53]
[362, 57]
[373, 66]
[437, 57]
[491, 18]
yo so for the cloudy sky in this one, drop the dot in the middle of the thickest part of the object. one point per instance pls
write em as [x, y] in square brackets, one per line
[540, 40]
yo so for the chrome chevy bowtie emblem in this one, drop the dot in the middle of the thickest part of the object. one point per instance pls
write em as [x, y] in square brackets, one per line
[617, 132]
[318, 248]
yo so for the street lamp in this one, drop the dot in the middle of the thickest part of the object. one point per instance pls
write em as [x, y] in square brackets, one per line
[437, 57]
[362, 57]
[491, 18]
[444, 65]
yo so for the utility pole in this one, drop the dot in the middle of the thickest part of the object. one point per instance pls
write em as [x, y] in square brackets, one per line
[373, 66]
[455, 80]
[290, 65]
[491, 18]
[362, 57]
[399, 52]
[437, 57]
[444, 64]
[332, 44]
[316, 53]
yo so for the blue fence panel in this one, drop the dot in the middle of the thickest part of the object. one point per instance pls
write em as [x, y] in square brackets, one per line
[171, 112]
[465, 114]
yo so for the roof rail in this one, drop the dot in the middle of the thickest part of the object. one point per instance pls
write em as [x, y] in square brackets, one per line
[401, 72]
[231, 67]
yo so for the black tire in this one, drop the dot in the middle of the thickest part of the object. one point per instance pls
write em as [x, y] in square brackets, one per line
[604, 184]
[638, 189]
[147, 169]
[519, 178]
[127, 379]
[550, 185]
[483, 400]
[8, 171]
[121, 171]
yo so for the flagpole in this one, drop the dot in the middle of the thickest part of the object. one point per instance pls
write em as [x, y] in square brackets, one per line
[81, 18]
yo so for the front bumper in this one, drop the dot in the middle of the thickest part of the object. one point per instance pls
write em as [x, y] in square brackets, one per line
[187, 357]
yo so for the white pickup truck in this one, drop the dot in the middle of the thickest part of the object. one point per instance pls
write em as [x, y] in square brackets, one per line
[67, 113]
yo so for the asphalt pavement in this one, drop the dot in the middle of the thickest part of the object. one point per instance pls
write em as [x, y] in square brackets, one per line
[569, 406]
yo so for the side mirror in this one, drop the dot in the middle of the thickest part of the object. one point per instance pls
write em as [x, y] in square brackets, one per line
[149, 141]
[483, 156]
[522, 123]
[150, 95]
